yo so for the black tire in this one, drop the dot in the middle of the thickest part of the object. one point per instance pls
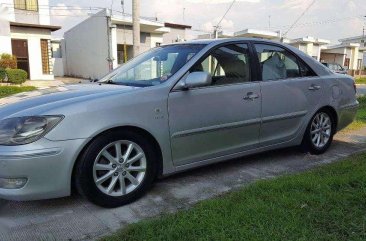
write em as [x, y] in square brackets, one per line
[307, 144]
[84, 178]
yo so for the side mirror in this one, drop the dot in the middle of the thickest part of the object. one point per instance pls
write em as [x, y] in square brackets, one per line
[197, 79]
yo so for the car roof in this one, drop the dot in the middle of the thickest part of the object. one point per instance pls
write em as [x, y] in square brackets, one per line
[223, 40]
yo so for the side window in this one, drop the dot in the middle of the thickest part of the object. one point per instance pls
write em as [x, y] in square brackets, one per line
[277, 63]
[305, 70]
[227, 65]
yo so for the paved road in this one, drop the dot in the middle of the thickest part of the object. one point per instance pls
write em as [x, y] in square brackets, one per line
[361, 89]
[73, 218]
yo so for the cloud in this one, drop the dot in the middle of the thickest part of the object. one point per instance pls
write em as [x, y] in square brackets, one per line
[220, 1]
[225, 24]
[63, 11]
[295, 4]
[67, 17]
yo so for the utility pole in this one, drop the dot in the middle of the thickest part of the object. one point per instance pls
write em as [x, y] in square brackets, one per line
[136, 26]
[109, 27]
[363, 30]
[184, 13]
[124, 34]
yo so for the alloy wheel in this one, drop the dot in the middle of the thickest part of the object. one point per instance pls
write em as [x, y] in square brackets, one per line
[321, 130]
[119, 168]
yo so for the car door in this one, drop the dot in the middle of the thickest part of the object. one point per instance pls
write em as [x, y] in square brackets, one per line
[219, 119]
[290, 93]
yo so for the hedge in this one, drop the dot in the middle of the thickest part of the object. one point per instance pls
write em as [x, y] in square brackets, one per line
[16, 76]
[2, 75]
[8, 61]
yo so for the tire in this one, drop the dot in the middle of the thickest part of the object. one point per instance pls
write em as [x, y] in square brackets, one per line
[111, 180]
[319, 131]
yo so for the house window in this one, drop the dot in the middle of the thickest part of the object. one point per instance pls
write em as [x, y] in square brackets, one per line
[45, 56]
[29, 5]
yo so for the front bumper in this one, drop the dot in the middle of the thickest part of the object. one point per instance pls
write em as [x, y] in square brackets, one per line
[46, 165]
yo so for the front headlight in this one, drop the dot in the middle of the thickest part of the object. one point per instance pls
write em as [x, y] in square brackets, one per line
[25, 130]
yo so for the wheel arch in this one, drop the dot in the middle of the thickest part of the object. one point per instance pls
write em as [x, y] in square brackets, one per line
[135, 129]
[334, 116]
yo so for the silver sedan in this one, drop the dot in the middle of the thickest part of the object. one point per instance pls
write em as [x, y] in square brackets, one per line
[173, 108]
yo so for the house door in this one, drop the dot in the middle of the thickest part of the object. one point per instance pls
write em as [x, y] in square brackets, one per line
[20, 50]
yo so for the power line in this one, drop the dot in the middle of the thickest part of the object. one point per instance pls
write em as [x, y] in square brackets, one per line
[218, 24]
[231, 5]
[298, 19]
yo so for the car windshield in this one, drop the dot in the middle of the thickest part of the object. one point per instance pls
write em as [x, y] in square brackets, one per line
[153, 67]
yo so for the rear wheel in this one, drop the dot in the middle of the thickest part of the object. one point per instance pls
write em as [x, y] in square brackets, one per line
[116, 169]
[319, 133]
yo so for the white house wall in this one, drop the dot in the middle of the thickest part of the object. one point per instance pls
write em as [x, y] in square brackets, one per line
[33, 37]
[5, 44]
[86, 48]
[41, 17]
[174, 35]
[5, 40]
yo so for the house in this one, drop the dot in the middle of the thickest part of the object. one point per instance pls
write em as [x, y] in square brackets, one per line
[103, 41]
[345, 54]
[177, 33]
[362, 49]
[310, 45]
[246, 33]
[257, 33]
[25, 32]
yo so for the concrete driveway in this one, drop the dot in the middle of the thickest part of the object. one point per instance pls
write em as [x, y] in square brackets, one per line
[74, 218]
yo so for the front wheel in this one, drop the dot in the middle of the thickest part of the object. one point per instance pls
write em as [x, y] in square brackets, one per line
[116, 169]
[319, 133]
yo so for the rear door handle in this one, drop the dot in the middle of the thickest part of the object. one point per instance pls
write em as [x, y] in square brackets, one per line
[251, 96]
[314, 87]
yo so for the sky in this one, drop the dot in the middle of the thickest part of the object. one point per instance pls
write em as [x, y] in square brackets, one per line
[326, 19]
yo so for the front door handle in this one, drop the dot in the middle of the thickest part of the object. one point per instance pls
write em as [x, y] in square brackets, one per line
[251, 96]
[314, 87]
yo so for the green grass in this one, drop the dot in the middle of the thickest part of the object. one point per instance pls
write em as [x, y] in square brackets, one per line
[11, 90]
[328, 203]
[360, 120]
[361, 80]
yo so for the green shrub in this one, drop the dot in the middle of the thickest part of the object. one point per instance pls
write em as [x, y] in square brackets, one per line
[2, 75]
[8, 61]
[16, 76]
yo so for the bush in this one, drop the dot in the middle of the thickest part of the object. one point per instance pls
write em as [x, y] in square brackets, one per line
[16, 76]
[2, 75]
[8, 61]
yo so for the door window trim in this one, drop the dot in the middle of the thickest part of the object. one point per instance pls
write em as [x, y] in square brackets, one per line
[298, 61]
[254, 78]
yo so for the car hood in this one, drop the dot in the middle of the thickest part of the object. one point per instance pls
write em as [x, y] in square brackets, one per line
[45, 99]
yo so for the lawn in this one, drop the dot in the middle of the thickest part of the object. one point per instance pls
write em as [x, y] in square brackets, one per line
[11, 90]
[361, 80]
[327, 203]
[360, 120]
